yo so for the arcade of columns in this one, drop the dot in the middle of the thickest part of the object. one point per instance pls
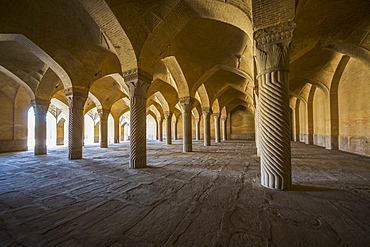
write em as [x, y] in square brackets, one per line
[268, 42]
[272, 59]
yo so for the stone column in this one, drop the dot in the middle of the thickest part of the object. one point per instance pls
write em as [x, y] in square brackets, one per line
[116, 130]
[217, 126]
[207, 125]
[272, 59]
[197, 129]
[187, 105]
[160, 129]
[257, 122]
[224, 128]
[40, 108]
[168, 117]
[76, 102]
[175, 130]
[138, 82]
[103, 114]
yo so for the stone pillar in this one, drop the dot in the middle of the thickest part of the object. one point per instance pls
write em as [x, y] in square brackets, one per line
[224, 128]
[272, 59]
[186, 105]
[168, 117]
[160, 129]
[40, 108]
[175, 130]
[197, 129]
[138, 82]
[103, 114]
[207, 125]
[217, 126]
[309, 138]
[76, 102]
[257, 122]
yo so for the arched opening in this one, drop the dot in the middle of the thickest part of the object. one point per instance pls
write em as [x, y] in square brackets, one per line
[110, 129]
[61, 133]
[150, 127]
[89, 129]
[31, 129]
[51, 129]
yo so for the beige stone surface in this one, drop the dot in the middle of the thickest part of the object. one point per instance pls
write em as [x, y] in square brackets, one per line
[211, 196]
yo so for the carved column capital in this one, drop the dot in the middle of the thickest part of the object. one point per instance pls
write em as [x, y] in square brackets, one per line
[40, 106]
[103, 113]
[168, 115]
[76, 98]
[272, 47]
[216, 115]
[186, 104]
[138, 82]
[206, 111]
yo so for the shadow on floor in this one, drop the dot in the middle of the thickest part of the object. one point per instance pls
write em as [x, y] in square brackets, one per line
[296, 187]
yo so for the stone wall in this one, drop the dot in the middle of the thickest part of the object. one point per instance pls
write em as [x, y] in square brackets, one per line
[242, 125]
[354, 108]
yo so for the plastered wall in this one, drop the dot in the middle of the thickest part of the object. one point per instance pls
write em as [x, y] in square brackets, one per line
[354, 108]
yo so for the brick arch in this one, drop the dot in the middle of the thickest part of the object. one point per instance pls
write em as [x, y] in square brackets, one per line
[40, 54]
[19, 81]
[159, 41]
[112, 29]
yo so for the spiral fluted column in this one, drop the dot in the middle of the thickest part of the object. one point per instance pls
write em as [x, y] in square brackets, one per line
[216, 116]
[224, 128]
[186, 105]
[197, 129]
[207, 125]
[272, 59]
[76, 101]
[138, 82]
[175, 130]
[160, 129]
[40, 109]
[257, 121]
[103, 114]
[168, 117]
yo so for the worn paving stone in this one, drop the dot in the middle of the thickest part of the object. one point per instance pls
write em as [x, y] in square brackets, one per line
[209, 197]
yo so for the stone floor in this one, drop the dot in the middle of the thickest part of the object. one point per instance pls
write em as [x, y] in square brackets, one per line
[210, 197]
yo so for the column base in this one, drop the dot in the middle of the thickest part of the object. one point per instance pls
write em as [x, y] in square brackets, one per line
[137, 164]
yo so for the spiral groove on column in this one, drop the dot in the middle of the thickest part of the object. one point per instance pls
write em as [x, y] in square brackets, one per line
[207, 126]
[217, 126]
[160, 129]
[76, 100]
[137, 132]
[103, 113]
[168, 116]
[75, 133]
[187, 106]
[272, 59]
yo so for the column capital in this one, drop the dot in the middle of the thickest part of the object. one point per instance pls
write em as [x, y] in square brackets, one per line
[280, 33]
[216, 115]
[40, 106]
[223, 119]
[138, 82]
[168, 115]
[76, 97]
[186, 103]
[272, 46]
[206, 110]
[103, 113]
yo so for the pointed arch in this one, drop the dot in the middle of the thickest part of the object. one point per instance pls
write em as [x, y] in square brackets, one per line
[203, 96]
[40, 54]
[176, 72]
[20, 82]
